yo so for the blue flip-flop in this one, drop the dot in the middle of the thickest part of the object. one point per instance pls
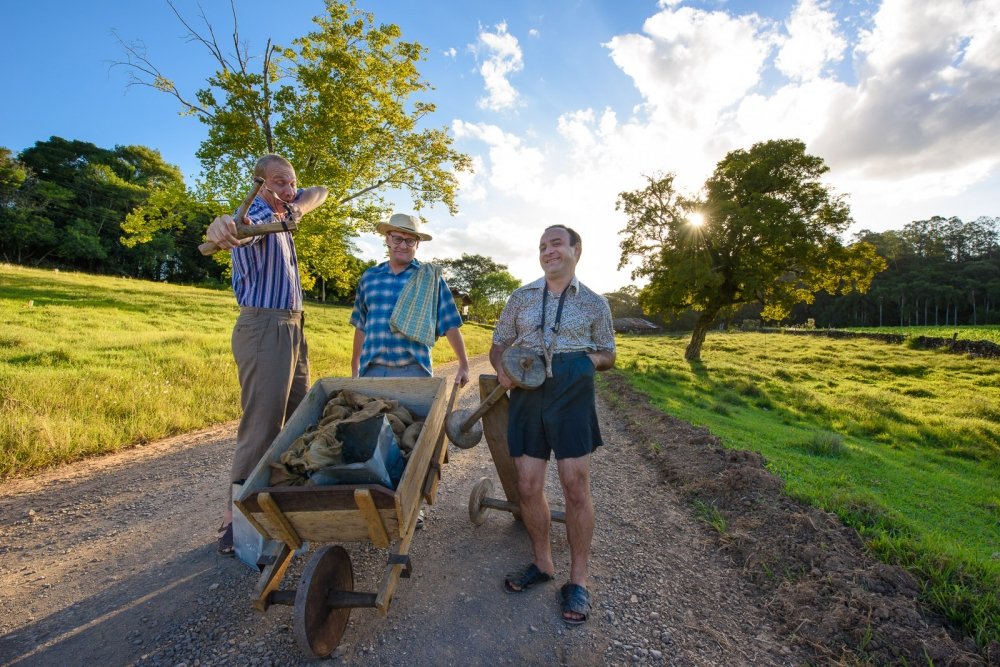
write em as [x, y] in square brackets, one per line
[525, 579]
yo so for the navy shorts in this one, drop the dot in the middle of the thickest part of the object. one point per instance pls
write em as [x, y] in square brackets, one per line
[560, 416]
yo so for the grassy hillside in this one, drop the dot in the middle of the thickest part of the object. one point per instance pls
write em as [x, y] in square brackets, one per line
[91, 364]
[903, 444]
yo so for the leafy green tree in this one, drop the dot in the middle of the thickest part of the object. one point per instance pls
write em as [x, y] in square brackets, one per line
[465, 272]
[13, 174]
[483, 280]
[624, 302]
[164, 233]
[770, 235]
[339, 103]
[74, 199]
[489, 294]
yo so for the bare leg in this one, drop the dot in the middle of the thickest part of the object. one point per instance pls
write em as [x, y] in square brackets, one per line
[574, 475]
[535, 509]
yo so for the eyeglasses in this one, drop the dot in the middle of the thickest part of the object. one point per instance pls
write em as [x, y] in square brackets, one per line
[396, 240]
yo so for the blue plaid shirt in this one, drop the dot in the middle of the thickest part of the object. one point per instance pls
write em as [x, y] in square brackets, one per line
[266, 270]
[378, 291]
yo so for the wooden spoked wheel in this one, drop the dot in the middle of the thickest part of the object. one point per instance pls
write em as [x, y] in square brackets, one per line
[483, 488]
[319, 628]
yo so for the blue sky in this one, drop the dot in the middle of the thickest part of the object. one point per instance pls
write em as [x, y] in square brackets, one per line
[564, 104]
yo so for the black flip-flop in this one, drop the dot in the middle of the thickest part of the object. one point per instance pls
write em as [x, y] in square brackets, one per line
[525, 579]
[575, 600]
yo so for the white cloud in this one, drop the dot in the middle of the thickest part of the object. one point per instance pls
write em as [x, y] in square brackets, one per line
[813, 42]
[450, 53]
[514, 167]
[534, 33]
[470, 184]
[926, 100]
[915, 134]
[690, 65]
[502, 58]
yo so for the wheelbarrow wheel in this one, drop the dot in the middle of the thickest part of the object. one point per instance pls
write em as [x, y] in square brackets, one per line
[483, 488]
[318, 628]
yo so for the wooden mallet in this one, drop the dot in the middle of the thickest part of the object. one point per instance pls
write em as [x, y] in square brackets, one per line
[525, 368]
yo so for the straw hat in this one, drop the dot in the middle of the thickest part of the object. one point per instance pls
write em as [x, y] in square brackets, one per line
[401, 222]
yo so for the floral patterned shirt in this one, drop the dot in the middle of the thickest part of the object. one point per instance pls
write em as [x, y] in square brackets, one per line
[585, 325]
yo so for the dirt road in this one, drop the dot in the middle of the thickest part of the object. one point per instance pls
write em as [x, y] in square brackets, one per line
[112, 561]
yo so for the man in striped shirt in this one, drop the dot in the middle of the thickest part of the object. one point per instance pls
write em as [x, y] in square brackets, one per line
[268, 340]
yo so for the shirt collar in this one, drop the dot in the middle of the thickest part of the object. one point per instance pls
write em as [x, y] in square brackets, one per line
[540, 284]
[384, 266]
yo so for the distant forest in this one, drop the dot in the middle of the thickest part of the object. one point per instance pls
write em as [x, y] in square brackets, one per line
[942, 271]
[62, 204]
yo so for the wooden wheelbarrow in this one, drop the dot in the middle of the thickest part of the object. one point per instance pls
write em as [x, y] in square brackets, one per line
[287, 516]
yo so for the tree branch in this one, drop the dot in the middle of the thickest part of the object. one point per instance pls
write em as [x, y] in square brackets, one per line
[211, 44]
[137, 60]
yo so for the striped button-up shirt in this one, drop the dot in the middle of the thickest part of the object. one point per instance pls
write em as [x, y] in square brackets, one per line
[585, 325]
[266, 270]
[378, 291]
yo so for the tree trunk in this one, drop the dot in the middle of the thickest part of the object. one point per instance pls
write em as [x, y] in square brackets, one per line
[701, 327]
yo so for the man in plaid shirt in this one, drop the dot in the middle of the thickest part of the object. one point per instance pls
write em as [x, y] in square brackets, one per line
[379, 351]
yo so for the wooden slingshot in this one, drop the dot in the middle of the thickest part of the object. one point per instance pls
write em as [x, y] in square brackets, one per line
[243, 230]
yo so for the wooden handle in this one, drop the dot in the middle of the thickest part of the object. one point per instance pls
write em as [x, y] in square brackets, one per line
[483, 408]
[208, 248]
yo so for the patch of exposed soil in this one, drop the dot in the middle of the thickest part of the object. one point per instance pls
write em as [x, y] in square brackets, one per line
[817, 580]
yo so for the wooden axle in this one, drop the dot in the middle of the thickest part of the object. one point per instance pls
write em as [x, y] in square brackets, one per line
[479, 502]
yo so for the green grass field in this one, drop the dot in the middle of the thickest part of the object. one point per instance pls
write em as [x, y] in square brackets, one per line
[964, 332]
[903, 444]
[92, 364]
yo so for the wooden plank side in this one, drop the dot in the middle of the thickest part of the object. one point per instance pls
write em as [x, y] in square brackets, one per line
[323, 527]
[271, 510]
[495, 431]
[270, 578]
[391, 577]
[376, 529]
[322, 498]
[436, 470]
[411, 486]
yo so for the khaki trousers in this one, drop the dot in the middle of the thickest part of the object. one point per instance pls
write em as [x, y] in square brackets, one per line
[272, 359]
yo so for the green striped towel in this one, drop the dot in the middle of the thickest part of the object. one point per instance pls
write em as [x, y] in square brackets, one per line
[415, 314]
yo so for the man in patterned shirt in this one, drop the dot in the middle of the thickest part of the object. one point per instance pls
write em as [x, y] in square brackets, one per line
[570, 326]
[381, 351]
[268, 341]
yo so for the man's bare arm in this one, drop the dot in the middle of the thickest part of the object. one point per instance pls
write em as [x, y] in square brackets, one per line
[311, 198]
[359, 340]
[496, 359]
[454, 336]
[603, 359]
